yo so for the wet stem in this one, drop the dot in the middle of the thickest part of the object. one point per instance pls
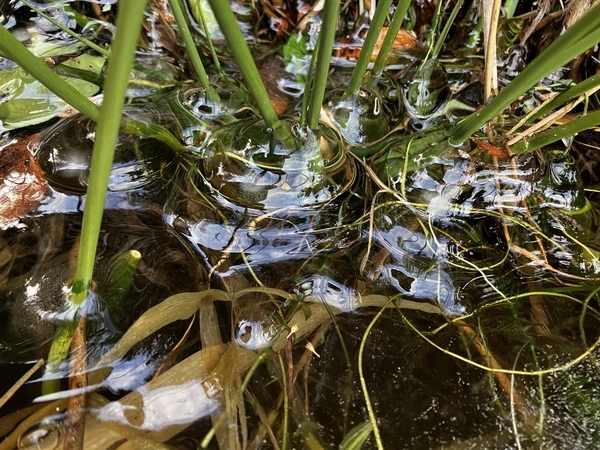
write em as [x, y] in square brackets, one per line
[243, 57]
[358, 73]
[17, 52]
[577, 39]
[129, 21]
[323, 58]
[191, 49]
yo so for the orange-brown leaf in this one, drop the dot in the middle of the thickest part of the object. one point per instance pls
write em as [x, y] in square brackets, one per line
[22, 182]
[490, 149]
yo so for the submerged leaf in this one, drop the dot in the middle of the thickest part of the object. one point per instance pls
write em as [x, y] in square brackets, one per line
[177, 307]
[28, 102]
[357, 436]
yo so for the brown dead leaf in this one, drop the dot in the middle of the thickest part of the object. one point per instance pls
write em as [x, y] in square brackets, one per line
[22, 182]
[403, 42]
[490, 149]
[270, 73]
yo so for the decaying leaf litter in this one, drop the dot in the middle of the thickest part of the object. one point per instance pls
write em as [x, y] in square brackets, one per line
[426, 278]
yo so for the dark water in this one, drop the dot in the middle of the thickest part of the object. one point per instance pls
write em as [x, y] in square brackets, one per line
[413, 270]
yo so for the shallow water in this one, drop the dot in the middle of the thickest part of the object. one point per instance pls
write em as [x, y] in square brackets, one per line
[421, 275]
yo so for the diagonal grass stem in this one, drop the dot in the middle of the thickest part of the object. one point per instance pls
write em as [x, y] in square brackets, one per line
[243, 57]
[571, 93]
[17, 52]
[388, 41]
[362, 64]
[557, 133]
[323, 55]
[191, 49]
[577, 39]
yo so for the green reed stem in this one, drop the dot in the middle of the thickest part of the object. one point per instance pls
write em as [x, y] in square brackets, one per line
[577, 39]
[243, 57]
[129, 21]
[571, 93]
[362, 64]
[201, 19]
[191, 49]
[557, 133]
[17, 52]
[308, 87]
[442, 37]
[323, 55]
[433, 27]
[388, 41]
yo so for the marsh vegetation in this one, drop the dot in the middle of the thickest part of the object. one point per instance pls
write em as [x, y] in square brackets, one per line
[293, 225]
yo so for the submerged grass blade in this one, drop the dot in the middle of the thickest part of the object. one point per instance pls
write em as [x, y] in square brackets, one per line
[79, 37]
[121, 272]
[363, 383]
[323, 55]
[375, 26]
[357, 436]
[577, 39]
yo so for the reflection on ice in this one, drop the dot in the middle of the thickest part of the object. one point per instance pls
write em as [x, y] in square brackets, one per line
[128, 374]
[256, 334]
[162, 407]
[318, 287]
[272, 240]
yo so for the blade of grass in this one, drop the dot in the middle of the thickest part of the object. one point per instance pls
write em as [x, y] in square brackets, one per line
[571, 93]
[201, 19]
[577, 39]
[129, 22]
[191, 49]
[433, 29]
[442, 37]
[363, 383]
[323, 55]
[17, 52]
[388, 41]
[308, 87]
[554, 134]
[375, 26]
[243, 57]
